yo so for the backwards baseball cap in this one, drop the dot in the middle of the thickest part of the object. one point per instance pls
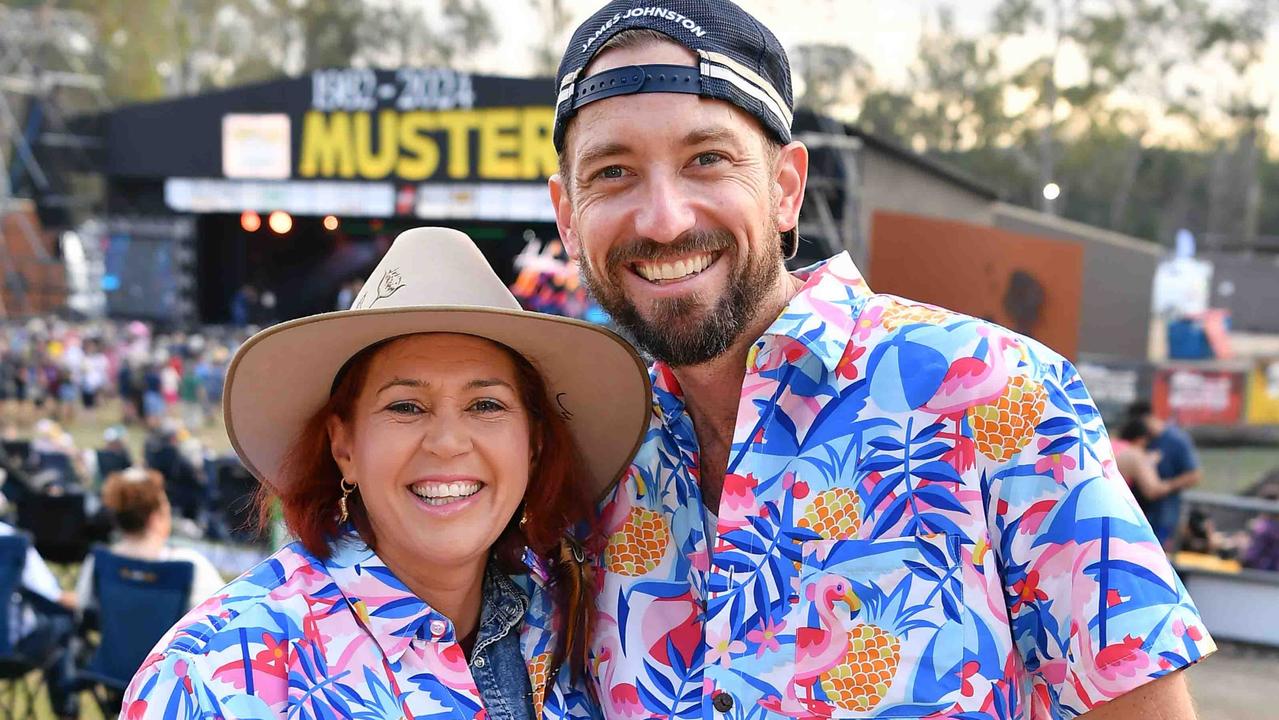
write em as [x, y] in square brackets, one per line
[738, 61]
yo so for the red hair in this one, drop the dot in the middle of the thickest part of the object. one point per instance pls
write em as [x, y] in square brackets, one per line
[556, 502]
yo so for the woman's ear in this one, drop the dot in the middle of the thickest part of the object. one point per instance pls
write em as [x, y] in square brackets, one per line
[340, 446]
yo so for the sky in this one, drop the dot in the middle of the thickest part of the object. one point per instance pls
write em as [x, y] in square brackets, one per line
[884, 32]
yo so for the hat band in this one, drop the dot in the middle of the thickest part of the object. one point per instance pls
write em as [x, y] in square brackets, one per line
[634, 79]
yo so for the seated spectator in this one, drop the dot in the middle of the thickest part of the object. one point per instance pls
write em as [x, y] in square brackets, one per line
[1262, 549]
[114, 455]
[45, 624]
[183, 481]
[142, 514]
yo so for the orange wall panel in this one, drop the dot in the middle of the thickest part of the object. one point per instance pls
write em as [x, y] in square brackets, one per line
[1027, 283]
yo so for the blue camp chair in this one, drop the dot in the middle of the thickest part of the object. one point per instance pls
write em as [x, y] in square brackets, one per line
[137, 602]
[18, 695]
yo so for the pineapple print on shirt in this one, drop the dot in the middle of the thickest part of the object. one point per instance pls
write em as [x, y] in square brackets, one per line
[920, 523]
[638, 546]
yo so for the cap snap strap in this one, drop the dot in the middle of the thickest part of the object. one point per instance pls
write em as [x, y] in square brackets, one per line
[637, 79]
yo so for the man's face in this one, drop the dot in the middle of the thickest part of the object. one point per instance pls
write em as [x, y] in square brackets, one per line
[1156, 425]
[672, 206]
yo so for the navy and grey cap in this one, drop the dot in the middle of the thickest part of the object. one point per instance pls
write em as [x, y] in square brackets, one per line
[738, 61]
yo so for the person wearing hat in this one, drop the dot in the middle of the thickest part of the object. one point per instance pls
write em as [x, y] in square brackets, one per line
[847, 504]
[434, 449]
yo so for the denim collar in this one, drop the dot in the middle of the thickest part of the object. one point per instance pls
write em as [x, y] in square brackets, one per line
[503, 608]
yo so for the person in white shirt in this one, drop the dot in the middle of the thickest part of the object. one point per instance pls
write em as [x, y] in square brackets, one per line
[93, 379]
[41, 631]
[141, 512]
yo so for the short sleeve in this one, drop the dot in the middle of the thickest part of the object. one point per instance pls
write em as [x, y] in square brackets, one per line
[84, 583]
[1095, 607]
[38, 578]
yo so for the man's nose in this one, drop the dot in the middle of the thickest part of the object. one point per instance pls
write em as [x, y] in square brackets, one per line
[666, 212]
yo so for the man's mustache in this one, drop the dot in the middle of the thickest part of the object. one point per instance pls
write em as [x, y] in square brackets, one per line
[690, 243]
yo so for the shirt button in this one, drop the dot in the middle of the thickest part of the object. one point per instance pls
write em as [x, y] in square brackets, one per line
[722, 701]
[480, 662]
[437, 627]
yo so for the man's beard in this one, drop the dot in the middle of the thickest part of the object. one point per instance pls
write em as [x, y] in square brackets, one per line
[672, 332]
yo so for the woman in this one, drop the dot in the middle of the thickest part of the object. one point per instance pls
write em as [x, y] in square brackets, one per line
[1139, 465]
[140, 510]
[431, 449]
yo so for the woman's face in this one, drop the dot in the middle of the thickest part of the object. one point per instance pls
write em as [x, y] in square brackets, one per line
[438, 443]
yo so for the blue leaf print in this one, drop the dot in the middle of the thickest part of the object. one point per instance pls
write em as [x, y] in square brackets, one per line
[937, 471]
[1056, 426]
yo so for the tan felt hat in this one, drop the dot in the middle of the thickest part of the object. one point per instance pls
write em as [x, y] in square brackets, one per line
[436, 280]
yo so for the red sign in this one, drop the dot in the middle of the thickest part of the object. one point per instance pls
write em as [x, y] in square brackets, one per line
[1195, 396]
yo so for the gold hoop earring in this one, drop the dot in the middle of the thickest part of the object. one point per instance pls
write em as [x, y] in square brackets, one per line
[347, 488]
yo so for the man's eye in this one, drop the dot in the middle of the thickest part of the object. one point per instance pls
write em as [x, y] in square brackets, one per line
[612, 172]
[708, 158]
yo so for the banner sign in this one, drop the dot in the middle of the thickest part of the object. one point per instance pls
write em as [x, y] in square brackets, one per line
[403, 126]
[1199, 396]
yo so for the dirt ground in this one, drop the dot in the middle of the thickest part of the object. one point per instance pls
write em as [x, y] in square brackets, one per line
[1237, 682]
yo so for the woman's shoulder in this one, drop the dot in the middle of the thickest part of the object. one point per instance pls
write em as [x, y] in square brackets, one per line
[270, 599]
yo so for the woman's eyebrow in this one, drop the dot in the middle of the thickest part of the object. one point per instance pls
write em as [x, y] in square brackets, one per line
[489, 382]
[401, 382]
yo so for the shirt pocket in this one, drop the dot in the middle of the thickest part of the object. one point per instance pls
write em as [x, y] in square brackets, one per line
[881, 627]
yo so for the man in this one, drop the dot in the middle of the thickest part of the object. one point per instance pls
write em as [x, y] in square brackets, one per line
[1137, 462]
[41, 626]
[848, 505]
[1178, 468]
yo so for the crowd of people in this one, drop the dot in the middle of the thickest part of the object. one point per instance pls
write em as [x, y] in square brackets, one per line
[60, 370]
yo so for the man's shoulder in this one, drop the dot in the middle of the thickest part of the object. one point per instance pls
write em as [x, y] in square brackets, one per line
[893, 321]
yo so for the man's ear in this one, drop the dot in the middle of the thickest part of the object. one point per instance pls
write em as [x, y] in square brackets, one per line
[790, 179]
[558, 185]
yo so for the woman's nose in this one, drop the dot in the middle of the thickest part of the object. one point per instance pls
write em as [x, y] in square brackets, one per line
[446, 437]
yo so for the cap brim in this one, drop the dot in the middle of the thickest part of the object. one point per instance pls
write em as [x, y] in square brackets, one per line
[280, 377]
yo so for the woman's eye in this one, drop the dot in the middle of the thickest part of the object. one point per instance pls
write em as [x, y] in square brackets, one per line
[487, 406]
[404, 408]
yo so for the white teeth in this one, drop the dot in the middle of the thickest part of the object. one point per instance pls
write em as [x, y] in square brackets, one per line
[443, 493]
[654, 272]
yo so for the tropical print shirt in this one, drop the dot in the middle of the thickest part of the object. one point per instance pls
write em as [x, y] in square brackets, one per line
[921, 518]
[306, 638]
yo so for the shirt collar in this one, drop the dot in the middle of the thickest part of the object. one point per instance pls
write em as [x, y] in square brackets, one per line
[394, 615]
[503, 608]
[387, 609]
[819, 319]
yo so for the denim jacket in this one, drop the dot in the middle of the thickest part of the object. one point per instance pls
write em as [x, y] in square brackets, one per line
[497, 664]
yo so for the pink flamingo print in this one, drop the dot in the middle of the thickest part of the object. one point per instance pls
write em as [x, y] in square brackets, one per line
[969, 382]
[819, 649]
[675, 619]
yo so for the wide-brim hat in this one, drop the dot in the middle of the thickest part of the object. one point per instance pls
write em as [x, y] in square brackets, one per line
[436, 280]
